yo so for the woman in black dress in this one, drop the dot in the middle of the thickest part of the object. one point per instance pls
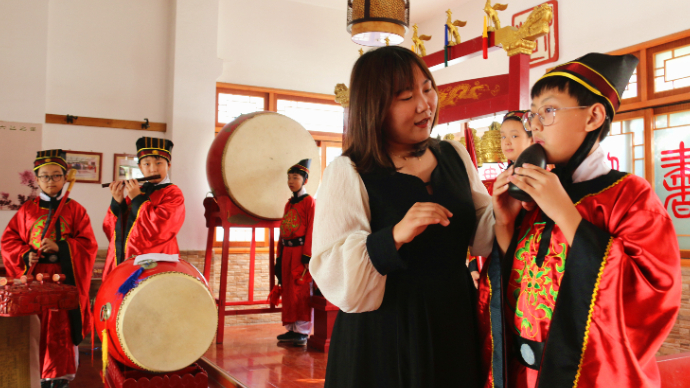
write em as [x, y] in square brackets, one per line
[394, 218]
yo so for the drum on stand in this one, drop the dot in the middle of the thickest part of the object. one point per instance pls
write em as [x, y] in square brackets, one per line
[164, 324]
[249, 159]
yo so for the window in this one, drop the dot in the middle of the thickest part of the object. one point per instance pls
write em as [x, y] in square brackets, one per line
[625, 148]
[672, 169]
[672, 69]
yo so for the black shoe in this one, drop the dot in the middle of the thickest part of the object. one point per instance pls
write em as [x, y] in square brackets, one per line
[300, 340]
[289, 336]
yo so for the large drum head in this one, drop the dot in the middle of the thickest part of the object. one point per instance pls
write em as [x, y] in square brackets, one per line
[256, 159]
[167, 322]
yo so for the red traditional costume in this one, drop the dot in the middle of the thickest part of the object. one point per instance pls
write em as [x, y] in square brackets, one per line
[294, 251]
[150, 222]
[595, 313]
[61, 330]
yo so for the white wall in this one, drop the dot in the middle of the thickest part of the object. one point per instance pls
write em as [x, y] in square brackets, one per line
[23, 48]
[585, 26]
[107, 60]
[285, 45]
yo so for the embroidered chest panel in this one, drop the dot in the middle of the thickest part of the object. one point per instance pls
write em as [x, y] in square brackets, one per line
[533, 289]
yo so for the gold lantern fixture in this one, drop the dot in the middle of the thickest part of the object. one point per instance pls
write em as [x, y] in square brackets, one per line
[378, 22]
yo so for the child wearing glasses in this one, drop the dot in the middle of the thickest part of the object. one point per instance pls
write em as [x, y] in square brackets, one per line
[147, 218]
[70, 249]
[581, 290]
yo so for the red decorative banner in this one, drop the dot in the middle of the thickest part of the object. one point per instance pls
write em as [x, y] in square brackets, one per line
[680, 180]
[471, 98]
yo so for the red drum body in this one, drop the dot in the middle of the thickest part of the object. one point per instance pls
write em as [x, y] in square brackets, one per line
[249, 159]
[164, 323]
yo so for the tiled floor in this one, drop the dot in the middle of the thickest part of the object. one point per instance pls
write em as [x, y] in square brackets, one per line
[251, 354]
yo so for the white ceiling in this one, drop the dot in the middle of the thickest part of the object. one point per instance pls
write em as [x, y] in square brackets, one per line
[420, 10]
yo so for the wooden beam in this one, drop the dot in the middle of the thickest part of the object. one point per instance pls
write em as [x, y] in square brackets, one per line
[105, 123]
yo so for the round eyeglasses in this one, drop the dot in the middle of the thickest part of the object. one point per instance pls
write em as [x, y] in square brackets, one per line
[546, 115]
[48, 178]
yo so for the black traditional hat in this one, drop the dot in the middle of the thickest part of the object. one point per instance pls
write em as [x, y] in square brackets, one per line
[514, 115]
[153, 146]
[57, 157]
[302, 168]
[602, 74]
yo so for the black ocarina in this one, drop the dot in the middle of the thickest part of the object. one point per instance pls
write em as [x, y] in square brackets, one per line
[535, 155]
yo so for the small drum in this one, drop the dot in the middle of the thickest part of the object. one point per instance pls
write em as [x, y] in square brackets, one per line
[249, 159]
[163, 324]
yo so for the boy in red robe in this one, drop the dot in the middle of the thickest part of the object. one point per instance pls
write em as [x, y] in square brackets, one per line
[70, 249]
[294, 253]
[582, 290]
[148, 219]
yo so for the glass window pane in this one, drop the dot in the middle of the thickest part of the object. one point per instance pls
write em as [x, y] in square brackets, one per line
[313, 116]
[680, 118]
[639, 152]
[639, 168]
[661, 121]
[332, 153]
[661, 86]
[677, 68]
[659, 72]
[619, 152]
[672, 176]
[231, 106]
[630, 91]
[241, 234]
[661, 57]
[636, 126]
[616, 128]
[681, 51]
[681, 83]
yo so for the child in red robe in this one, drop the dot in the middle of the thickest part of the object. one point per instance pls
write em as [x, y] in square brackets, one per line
[148, 219]
[581, 290]
[294, 253]
[70, 249]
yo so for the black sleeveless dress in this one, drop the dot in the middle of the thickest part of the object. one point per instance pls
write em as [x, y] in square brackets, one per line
[425, 332]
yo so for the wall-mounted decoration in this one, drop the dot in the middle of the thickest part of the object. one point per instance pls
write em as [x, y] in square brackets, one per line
[87, 164]
[547, 46]
[20, 142]
[125, 166]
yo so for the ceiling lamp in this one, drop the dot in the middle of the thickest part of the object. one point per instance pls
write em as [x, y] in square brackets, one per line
[372, 21]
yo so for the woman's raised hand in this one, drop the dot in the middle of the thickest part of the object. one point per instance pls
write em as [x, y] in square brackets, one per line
[420, 215]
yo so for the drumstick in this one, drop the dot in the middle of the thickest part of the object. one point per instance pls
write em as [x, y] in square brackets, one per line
[71, 178]
[146, 178]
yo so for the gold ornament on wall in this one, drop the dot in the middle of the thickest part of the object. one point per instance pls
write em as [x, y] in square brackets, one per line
[418, 42]
[489, 148]
[493, 15]
[522, 40]
[453, 34]
[342, 95]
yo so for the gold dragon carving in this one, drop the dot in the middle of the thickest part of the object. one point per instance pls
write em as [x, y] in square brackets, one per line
[522, 40]
[452, 26]
[465, 91]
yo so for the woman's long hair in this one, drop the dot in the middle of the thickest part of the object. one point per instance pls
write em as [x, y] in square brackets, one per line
[377, 78]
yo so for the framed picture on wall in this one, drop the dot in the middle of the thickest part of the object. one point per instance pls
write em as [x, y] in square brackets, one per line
[87, 164]
[125, 167]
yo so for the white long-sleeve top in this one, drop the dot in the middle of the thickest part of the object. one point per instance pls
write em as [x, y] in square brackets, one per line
[340, 263]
